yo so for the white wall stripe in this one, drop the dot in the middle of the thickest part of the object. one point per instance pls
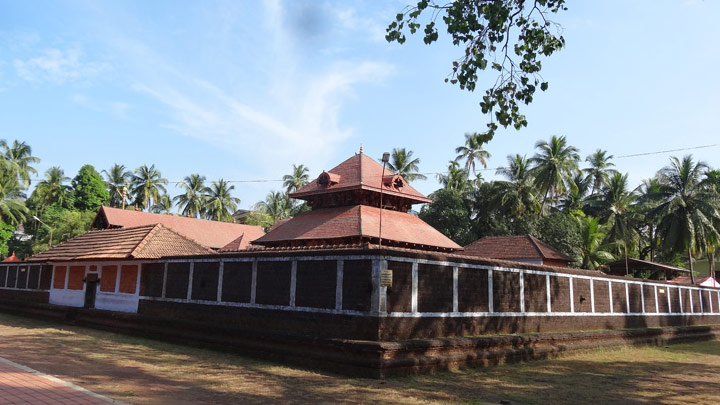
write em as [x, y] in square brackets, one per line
[190, 280]
[572, 297]
[293, 282]
[455, 289]
[414, 288]
[627, 297]
[657, 305]
[221, 270]
[592, 296]
[339, 284]
[491, 304]
[680, 299]
[522, 292]
[610, 296]
[253, 282]
[547, 293]
[692, 307]
[642, 299]
[164, 280]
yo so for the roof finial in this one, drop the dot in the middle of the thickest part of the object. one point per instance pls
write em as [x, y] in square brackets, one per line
[361, 149]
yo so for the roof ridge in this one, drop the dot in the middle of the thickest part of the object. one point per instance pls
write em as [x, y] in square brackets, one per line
[144, 241]
[167, 228]
[535, 243]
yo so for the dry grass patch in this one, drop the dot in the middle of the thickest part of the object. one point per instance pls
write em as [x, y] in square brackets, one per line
[146, 371]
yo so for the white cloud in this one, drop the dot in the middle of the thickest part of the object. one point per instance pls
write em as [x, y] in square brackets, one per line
[58, 66]
[116, 108]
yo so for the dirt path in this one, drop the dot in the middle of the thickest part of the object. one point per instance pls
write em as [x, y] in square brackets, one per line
[144, 371]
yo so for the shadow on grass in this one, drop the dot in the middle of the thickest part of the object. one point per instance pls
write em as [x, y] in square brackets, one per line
[147, 371]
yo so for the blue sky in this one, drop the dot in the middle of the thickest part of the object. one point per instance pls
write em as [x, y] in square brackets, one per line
[242, 90]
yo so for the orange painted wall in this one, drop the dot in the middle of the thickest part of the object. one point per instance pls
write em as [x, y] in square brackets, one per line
[108, 278]
[128, 279]
[75, 279]
[59, 280]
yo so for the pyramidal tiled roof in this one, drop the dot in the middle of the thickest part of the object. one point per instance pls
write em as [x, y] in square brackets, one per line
[211, 234]
[141, 242]
[514, 247]
[357, 221]
[359, 172]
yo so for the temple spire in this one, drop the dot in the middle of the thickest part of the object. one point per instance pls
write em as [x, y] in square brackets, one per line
[361, 149]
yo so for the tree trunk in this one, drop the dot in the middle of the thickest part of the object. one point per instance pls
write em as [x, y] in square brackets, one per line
[692, 273]
[711, 264]
[542, 206]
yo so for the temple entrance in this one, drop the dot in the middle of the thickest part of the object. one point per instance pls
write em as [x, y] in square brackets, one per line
[91, 282]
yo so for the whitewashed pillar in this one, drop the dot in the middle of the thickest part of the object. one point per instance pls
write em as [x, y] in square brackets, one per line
[491, 304]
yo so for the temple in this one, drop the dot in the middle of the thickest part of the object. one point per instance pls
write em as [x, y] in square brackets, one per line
[358, 201]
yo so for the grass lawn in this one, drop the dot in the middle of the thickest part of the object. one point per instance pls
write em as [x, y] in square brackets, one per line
[145, 371]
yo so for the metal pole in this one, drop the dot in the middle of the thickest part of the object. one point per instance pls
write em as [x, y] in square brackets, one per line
[385, 159]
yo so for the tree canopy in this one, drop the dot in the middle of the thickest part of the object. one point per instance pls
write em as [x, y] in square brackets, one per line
[508, 36]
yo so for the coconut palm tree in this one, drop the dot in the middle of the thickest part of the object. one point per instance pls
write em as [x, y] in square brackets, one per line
[402, 163]
[51, 190]
[614, 207]
[193, 201]
[688, 213]
[518, 193]
[297, 179]
[600, 169]
[576, 195]
[147, 186]
[456, 178]
[593, 252]
[118, 182]
[646, 226]
[277, 205]
[555, 165]
[473, 151]
[163, 205]
[220, 204]
[20, 155]
[12, 199]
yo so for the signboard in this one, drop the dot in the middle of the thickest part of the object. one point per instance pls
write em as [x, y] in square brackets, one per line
[386, 277]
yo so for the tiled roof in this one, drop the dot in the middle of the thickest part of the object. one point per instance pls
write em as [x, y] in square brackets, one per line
[357, 221]
[141, 242]
[513, 247]
[359, 172]
[211, 234]
[702, 281]
[11, 258]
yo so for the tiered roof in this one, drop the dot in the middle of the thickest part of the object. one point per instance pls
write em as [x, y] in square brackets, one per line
[346, 209]
[211, 234]
[141, 242]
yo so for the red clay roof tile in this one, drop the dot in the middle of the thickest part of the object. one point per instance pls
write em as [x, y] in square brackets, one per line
[211, 234]
[514, 247]
[358, 221]
[141, 242]
[360, 172]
